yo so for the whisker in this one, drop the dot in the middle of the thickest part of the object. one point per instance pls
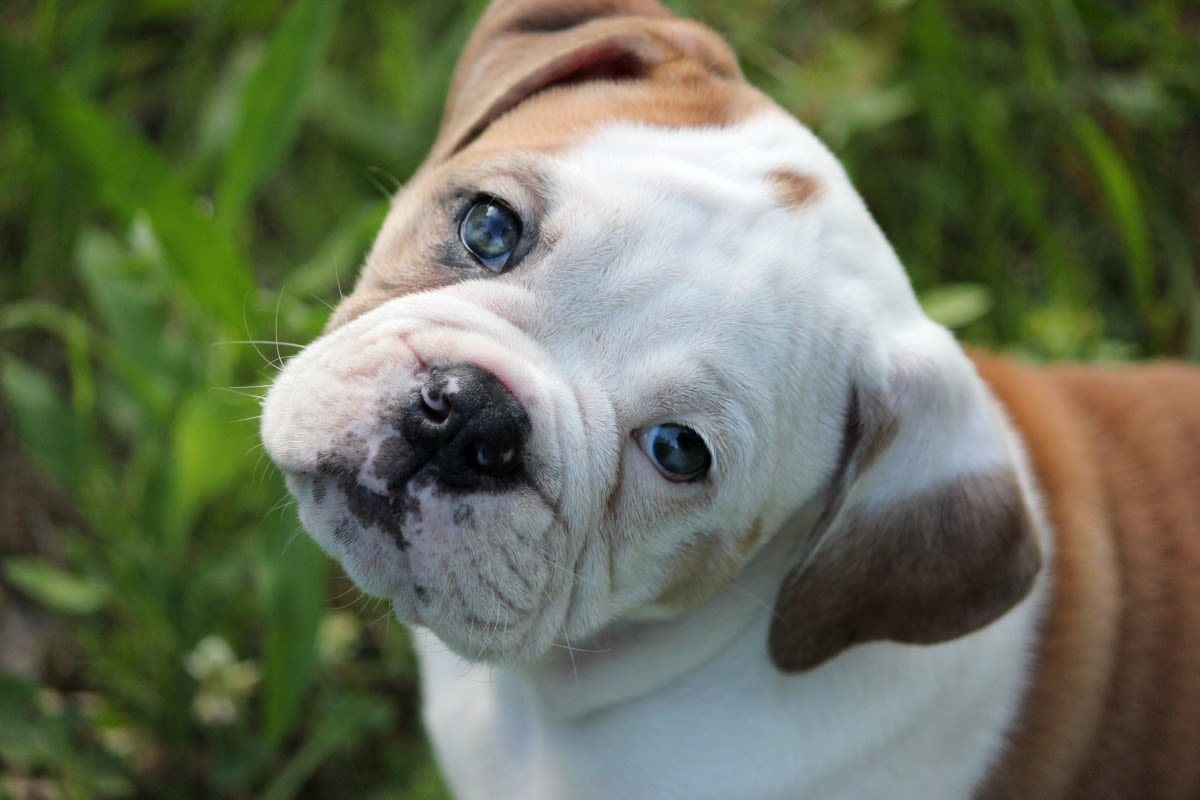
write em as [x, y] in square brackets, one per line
[350, 590]
[385, 616]
[253, 343]
[262, 465]
[296, 533]
[278, 305]
[268, 342]
[571, 655]
[375, 173]
[239, 393]
[549, 559]
[577, 649]
[281, 505]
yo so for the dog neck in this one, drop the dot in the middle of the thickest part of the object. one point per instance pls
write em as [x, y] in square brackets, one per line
[634, 656]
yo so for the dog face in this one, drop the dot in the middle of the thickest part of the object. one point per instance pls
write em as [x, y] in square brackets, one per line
[626, 321]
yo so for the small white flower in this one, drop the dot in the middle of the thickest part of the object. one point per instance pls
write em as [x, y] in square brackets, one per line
[336, 637]
[213, 708]
[210, 655]
[224, 682]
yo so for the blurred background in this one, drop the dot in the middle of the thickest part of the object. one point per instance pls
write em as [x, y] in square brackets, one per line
[186, 186]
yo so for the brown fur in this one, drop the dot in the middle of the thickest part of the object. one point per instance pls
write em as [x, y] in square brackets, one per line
[932, 568]
[795, 190]
[923, 567]
[524, 47]
[1114, 708]
[533, 80]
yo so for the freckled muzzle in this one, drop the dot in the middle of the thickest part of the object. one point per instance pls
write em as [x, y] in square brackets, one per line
[425, 455]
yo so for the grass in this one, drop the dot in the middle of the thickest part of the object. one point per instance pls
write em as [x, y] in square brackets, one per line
[187, 185]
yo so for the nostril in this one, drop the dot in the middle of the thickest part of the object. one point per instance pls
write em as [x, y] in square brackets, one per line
[434, 404]
[495, 458]
[465, 425]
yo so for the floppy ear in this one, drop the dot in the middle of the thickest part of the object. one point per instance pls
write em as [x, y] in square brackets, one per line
[928, 534]
[522, 47]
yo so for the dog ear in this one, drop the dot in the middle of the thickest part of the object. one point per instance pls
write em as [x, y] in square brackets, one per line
[928, 535]
[521, 47]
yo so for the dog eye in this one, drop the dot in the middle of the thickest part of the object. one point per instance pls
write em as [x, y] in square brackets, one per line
[490, 230]
[678, 452]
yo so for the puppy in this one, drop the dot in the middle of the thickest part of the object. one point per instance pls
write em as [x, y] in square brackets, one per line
[634, 417]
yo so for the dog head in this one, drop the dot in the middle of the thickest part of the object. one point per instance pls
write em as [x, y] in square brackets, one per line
[627, 318]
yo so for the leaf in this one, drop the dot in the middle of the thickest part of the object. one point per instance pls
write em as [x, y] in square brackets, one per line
[34, 739]
[127, 300]
[27, 737]
[273, 102]
[77, 336]
[129, 176]
[211, 438]
[333, 267]
[295, 593]
[1125, 205]
[54, 587]
[349, 720]
[957, 305]
[48, 427]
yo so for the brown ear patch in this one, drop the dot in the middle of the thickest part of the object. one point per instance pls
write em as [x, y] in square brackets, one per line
[616, 58]
[522, 48]
[923, 570]
[535, 16]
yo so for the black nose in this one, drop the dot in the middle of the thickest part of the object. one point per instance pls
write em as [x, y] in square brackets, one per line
[464, 425]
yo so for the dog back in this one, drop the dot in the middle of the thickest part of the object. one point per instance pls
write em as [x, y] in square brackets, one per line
[1116, 698]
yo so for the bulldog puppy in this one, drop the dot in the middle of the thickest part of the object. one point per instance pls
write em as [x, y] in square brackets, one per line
[635, 419]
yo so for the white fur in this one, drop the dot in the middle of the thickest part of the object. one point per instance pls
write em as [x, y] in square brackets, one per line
[679, 289]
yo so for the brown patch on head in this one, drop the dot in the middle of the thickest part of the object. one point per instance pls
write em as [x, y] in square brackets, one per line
[537, 77]
[419, 247]
[923, 570]
[525, 47]
[795, 190]
[555, 120]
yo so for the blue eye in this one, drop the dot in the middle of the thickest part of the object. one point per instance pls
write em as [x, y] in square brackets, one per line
[490, 231]
[677, 451]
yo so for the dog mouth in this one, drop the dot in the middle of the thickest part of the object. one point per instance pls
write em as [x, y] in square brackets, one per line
[476, 568]
[427, 447]
[430, 498]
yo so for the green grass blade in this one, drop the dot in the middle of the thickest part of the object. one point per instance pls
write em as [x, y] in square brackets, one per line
[1125, 205]
[129, 176]
[295, 593]
[52, 433]
[332, 269]
[273, 103]
[957, 305]
[54, 587]
[350, 719]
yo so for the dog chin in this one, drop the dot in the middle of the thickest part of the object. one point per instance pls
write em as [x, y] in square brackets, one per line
[488, 591]
[521, 641]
